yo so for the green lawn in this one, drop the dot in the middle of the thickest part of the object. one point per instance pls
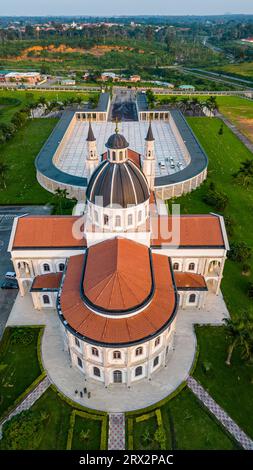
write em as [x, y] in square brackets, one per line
[91, 428]
[53, 432]
[143, 428]
[225, 154]
[231, 387]
[239, 111]
[189, 427]
[13, 101]
[244, 69]
[19, 365]
[19, 155]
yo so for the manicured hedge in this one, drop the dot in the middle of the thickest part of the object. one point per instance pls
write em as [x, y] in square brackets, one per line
[87, 416]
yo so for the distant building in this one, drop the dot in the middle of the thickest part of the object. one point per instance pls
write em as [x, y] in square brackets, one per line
[85, 76]
[31, 78]
[164, 84]
[68, 82]
[105, 76]
[187, 87]
[135, 78]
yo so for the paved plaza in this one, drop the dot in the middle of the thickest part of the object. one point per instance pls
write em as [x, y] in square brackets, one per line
[72, 159]
[118, 398]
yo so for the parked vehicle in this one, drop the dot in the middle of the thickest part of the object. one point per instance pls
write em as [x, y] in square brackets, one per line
[10, 275]
[9, 284]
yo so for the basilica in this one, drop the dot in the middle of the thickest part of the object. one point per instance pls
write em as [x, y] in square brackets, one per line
[118, 273]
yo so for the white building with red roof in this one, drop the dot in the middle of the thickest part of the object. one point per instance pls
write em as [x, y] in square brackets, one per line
[119, 275]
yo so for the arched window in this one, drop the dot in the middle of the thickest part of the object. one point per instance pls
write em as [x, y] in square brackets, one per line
[139, 216]
[191, 266]
[94, 352]
[46, 299]
[130, 219]
[192, 298]
[176, 266]
[139, 351]
[121, 155]
[77, 342]
[96, 216]
[114, 156]
[138, 371]
[61, 267]
[46, 267]
[117, 221]
[106, 219]
[117, 376]
[96, 372]
[156, 361]
[116, 355]
[157, 341]
[79, 362]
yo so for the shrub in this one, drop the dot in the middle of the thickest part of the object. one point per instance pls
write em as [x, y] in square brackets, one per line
[230, 225]
[23, 431]
[239, 251]
[216, 199]
[246, 269]
[207, 367]
[250, 290]
[160, 438]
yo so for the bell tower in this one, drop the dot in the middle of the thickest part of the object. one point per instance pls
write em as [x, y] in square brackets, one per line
[92, 155]
[149, 158]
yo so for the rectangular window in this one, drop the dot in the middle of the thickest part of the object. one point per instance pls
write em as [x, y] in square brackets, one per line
[79, 362]
[77, 342]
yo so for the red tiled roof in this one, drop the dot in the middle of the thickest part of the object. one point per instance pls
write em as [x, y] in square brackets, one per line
[109, 330]
[47, 281]
[46, 232]
[118, 274]
[194, 230]
[189, 280]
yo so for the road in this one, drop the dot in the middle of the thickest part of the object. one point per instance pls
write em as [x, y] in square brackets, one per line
[123, 106]
[7, 215]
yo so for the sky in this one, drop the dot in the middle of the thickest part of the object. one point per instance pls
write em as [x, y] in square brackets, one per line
[124, 7]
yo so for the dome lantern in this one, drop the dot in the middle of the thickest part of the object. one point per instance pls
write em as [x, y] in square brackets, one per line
[117, 147]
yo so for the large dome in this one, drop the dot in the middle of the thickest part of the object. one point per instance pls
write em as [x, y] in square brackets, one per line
[117, 141]
[123, 184]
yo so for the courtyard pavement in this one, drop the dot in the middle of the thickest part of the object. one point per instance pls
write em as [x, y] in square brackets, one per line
[118, 399]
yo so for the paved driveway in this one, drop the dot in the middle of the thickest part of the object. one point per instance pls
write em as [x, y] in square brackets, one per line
[7, 215]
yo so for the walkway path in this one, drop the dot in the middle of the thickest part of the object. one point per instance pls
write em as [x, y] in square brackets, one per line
[237, 133]
[220, 414]
[28, 401]
[118, 399]
[116, 439]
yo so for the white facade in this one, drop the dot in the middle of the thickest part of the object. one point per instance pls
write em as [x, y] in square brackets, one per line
[125, 365]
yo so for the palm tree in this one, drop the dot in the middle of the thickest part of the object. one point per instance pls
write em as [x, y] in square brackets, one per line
[184, 104]
[241, 332]
[234, 329]
[211, 103]
[85, 435]
[60, 196]
[3, 171]
[244, 175]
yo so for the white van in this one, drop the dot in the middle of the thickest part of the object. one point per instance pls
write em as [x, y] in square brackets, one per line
[10, 275]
